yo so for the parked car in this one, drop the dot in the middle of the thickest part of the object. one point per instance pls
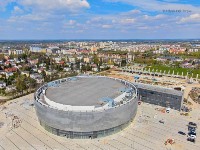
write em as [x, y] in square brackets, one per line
[168, 110]
[161, 121]
[191, 128]
[181, 132]
[192, 124]
[192, 133]
[191, 139]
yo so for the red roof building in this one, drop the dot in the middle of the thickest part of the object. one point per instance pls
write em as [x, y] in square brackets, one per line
[13, 69]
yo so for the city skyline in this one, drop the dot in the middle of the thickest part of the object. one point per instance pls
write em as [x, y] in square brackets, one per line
[103, 19]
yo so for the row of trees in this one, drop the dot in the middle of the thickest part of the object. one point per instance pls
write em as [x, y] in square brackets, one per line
[22, 83]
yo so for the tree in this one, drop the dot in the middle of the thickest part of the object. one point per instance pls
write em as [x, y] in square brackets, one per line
[198, 66]
[67, 59]
[177, 64]
[88, 67]
[110, 62]
[21, 84]
[59, 68]
[72, 66]
[47, 78]
[12, 93]
[47, 67]
[82, 60]
[43, 74]
[63, 59]
[32, 83]
[37, 65]
[9, 65]
[47, 61]
[24, 56]
[78, 64]
[100, 62]
[1, 56]
[123, 63]
[10, 80]
[83, 68]
[95, 59]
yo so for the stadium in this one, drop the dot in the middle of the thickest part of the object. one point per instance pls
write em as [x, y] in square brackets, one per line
[85, 107]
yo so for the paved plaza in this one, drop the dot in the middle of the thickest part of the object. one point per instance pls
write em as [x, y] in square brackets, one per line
[145, 132]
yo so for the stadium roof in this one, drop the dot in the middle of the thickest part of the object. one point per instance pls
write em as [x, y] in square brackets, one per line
[85, 91]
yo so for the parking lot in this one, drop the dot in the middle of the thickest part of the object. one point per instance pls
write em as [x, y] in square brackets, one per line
[145, 132]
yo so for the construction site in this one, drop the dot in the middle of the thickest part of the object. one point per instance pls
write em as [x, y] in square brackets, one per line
[153, 128]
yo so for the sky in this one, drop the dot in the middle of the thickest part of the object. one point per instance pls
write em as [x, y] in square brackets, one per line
[99, 19]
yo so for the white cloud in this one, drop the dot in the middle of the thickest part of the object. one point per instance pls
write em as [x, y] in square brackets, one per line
[156, 17]
[144, 28]
[28, 17]
[194, 18]
[51, 5]
[48, 5]
[17, 10]
[72, 22]
[106, 26]
[160, 16]
[127, 21]
[132, 12]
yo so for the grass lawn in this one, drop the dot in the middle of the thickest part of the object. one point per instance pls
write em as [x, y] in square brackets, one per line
[179, 70]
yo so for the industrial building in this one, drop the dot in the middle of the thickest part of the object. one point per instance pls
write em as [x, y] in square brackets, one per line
[86, 106]
[157, 95]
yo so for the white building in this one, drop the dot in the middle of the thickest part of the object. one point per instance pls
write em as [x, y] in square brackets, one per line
[2, 84]
[15, 52]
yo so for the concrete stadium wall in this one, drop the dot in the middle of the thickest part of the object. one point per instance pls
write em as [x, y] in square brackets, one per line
[87, 121]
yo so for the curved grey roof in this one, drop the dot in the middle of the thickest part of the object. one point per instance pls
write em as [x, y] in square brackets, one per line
[84, 91]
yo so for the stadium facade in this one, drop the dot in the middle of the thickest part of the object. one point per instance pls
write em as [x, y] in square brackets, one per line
[86, 106]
